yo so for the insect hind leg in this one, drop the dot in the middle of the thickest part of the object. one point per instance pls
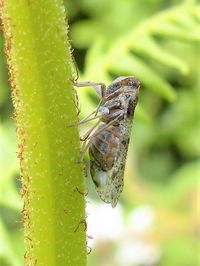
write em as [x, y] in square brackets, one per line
[86, 140]
[86, 136]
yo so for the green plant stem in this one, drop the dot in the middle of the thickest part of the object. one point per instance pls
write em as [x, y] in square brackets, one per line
[39, 62]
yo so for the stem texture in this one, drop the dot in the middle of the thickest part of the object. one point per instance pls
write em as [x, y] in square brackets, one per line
[39, 58]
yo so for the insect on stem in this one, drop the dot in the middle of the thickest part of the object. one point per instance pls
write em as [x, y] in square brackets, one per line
[108, 139]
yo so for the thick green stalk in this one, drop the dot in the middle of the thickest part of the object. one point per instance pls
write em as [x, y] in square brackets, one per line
[52, 181]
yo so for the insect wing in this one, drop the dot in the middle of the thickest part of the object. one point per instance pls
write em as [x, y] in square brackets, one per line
[109, 184]
[117, 172]
[101, 181]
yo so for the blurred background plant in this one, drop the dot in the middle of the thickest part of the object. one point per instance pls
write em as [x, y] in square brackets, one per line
[156, 222]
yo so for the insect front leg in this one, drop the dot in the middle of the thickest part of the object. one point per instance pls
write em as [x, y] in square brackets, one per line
[99, 87]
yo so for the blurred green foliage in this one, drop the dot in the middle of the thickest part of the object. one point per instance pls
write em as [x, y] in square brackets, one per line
[159, 42]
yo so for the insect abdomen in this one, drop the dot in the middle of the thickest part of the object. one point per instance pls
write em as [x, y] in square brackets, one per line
[103, 148]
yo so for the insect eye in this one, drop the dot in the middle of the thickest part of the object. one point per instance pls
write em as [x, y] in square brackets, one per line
[135, 83]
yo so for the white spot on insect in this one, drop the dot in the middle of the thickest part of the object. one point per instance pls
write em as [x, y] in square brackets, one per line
[100, 179]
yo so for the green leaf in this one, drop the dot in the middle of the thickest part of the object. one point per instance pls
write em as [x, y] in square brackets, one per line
[132, 65]
[142, 115]
[148, 47]
[168, 30]
[7, 252]
[184, 180]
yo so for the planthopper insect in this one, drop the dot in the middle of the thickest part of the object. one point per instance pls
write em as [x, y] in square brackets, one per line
[108, 139]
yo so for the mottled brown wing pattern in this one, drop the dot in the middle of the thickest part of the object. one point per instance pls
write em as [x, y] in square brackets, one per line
[114, 176]
[117, 173]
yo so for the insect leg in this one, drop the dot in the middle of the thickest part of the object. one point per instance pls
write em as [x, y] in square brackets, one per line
[85, 137]
[116, 93]
[89, 138]
[89, 119]
[98, 86]
[84, 149]
[86, 143]
[99, 105]
[103, 128]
